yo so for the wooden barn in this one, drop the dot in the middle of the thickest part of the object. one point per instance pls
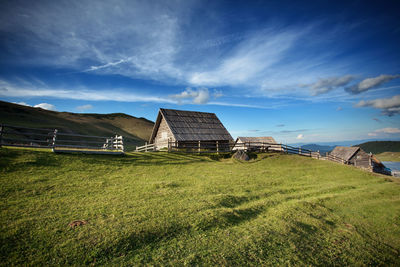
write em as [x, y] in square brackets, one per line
[359, 158]
[264, 143]
[189, 129]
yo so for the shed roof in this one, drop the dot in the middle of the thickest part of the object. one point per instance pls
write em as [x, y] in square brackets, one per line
[261, 139]
[192, 125]
[344, 152]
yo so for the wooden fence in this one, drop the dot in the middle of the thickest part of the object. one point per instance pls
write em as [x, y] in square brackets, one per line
[199, 147]
[60, 142]
[145, 148]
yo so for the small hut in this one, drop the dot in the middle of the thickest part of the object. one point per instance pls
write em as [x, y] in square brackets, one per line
[189, 129]
[264, 143]
[359, 158]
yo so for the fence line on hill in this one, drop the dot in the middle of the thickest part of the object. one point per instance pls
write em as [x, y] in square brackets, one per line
[199, 147]
[18, 136]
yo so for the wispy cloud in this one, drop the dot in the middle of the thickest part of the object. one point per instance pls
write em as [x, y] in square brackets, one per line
[326, 85]
[388, 106]
[249, 60]
[84, 107]
[371, 83]
[8, 89]
[388, 131]
[46, 106]
[300, 136]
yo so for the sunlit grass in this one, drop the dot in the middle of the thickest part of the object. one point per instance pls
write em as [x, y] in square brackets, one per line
[160, 208]
[389, 156]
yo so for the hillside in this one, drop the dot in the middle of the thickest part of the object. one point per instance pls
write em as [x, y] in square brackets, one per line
[380, 146]
[135, 130]
[173, 209]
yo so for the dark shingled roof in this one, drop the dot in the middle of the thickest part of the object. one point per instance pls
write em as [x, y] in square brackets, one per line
[192, 125]
[344, 152]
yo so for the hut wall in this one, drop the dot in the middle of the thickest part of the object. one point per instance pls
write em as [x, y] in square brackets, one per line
[361, 159]
[257, 145]
[163, 135]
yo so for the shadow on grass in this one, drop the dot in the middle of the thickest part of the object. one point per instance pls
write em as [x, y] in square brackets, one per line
[13, 159]
[144, 159]
[151, 238]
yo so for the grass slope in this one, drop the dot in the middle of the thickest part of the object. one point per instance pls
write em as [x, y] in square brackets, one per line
[380, 146]
[389, 156]
[160, 208]
[135, 130]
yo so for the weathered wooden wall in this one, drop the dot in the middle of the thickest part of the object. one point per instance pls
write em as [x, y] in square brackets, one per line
[161, 141]
[361, 159]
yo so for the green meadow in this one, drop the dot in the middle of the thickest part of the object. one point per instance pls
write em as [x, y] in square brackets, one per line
[177, 209]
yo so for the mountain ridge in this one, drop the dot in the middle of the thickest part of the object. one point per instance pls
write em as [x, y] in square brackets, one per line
[136, 131]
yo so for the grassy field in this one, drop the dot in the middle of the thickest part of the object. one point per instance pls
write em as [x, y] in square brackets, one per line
[160, 208]
[389, 156]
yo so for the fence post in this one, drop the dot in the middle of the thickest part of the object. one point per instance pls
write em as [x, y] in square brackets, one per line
[199, 146]
[54, 138]
[122, 144]
[145, 148]
[299, 150]
[217, 148]
[318, 154]
[169, 145]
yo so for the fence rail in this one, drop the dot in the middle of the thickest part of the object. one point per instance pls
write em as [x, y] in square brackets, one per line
[18, 136]
[198, 147]
[146, 148]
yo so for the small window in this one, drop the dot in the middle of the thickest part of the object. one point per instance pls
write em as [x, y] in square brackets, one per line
[164, 135]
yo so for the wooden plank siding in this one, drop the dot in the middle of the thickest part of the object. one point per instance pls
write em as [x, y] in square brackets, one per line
[163, 134]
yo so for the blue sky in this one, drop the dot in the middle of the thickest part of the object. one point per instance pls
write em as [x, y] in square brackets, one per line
[300, 71]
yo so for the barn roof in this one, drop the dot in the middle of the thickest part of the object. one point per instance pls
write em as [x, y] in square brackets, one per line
[261, 139]
[192, 125]
[344, 152]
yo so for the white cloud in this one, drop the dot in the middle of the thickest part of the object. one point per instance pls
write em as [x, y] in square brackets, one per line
[46, 106]
[27, 89]
[387, 131]
[326, 85]
[84, 107]
[199, 96]
[22, 103]
[9, 89]
[371, 83]
[300, 136]
[389, 106]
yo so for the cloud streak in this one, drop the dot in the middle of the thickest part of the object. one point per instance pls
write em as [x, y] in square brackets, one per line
[388, 131]
[371, 83]
[388, 106]
[326, 85]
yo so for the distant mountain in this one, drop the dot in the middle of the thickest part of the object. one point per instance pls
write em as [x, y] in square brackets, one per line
[136, 131]
[320, 148]
[344, 143]
[380, 146]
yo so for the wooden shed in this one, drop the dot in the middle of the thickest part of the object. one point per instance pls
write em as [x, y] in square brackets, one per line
[188, 129]
[359, 158]
[266, 143]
